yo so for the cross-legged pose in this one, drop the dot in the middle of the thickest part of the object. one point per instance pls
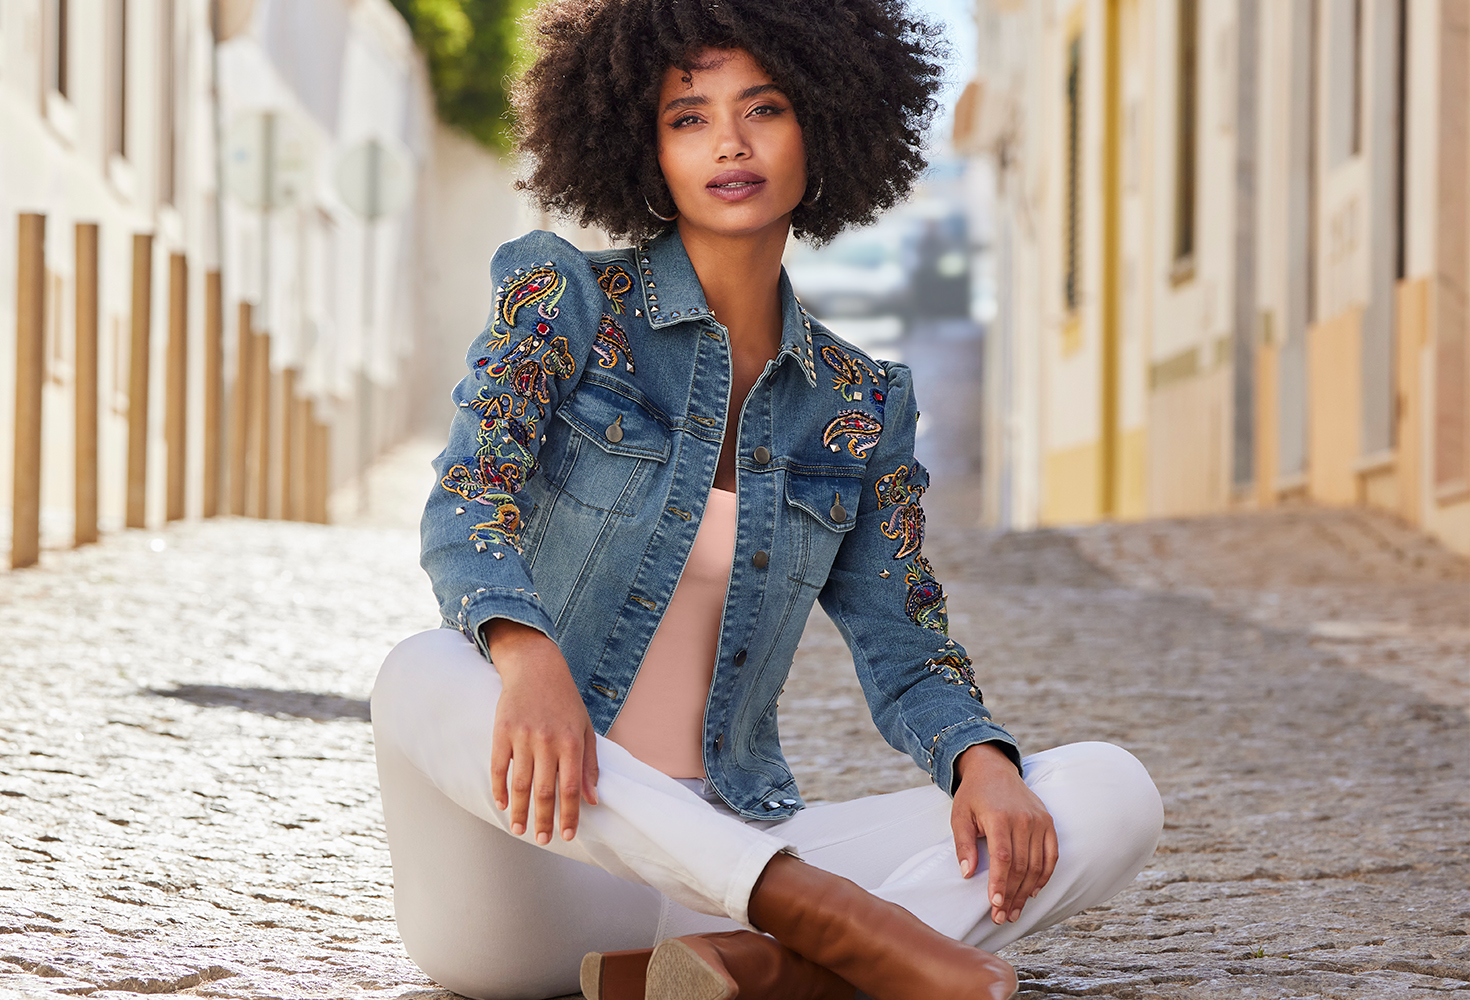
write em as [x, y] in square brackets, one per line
[658, 462]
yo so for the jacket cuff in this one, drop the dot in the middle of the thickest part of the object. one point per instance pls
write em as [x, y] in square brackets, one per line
[515, 603]
[951, 741]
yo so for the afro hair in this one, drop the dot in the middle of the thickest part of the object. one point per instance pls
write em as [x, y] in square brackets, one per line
[861, 75]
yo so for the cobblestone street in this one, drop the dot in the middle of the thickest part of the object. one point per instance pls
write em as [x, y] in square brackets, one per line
[188, 803]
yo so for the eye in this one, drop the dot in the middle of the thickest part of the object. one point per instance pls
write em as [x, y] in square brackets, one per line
[684, 120]
[765, 110]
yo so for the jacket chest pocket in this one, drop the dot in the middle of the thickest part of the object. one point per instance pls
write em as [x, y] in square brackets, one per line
[616, 445]
[823, 507]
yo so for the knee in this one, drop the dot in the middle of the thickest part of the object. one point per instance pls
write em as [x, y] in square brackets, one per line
[405, 673]
[1122, 800]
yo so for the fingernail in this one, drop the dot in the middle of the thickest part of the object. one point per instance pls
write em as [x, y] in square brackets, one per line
[543, 838]
[518, 828]
[998, 917]
[996, 900]
[1015, 915]
[1035, 893]
[965, 868]
[568, 833]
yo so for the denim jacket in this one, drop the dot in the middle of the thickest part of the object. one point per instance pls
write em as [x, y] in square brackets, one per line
[579, 461]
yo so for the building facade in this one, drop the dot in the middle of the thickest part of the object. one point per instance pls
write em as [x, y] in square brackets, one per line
[1233, 260]
[227, 224]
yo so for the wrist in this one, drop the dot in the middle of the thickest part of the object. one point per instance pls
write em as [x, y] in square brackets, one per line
[516, 648]
[980, 759]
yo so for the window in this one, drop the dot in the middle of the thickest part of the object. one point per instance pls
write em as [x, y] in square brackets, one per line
[116, 94]
[1345, 92]
[56, 48]
[167, 103]
[1186, 136]
[1073, 205]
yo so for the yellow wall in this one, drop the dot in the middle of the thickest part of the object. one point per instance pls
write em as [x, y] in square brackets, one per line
[1268, 419]
[1070, 489]
[1413, 335]
[1334, 410]
[1188, 462]
[1132, 483]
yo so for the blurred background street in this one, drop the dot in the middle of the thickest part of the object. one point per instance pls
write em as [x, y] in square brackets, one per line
[1183, 293]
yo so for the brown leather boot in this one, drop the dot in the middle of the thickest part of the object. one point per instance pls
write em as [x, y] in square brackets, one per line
[615, 975]
[737, 964]
[878, 946]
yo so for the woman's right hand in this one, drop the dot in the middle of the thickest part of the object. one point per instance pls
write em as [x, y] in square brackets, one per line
[543, 736]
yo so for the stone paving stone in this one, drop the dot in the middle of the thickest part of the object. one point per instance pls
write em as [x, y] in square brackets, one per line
[188, 804]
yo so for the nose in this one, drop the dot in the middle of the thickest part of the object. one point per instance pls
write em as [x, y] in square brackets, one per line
[731, 143]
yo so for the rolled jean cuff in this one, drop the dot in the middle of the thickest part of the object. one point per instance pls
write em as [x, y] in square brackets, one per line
[747, 872]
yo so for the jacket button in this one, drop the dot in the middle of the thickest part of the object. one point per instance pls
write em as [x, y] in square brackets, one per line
[839, 512]
[760, 559]
[740, 658]
[614, 432]
[762, 455]
[719, 742]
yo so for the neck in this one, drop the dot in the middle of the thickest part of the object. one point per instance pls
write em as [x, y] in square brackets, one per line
[741, 276]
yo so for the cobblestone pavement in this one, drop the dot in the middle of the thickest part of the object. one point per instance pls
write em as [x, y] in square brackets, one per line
[188, 804]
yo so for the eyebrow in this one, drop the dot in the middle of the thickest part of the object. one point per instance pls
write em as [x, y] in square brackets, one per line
[695, 100]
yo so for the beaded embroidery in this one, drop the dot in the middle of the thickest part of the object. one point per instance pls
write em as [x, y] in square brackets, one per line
[850, 372]
[615, 283]
[862, 431]
[957, 669]
[925, 604]
[612, 344]
[503, 527]
[540, 286]
[906, 525]
[895, 488]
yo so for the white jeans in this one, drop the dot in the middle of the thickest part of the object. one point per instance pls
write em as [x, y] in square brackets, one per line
[490, 915]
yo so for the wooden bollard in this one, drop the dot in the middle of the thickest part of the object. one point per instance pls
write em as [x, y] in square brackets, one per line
[86, 383]
[285, 441]
[240, 412]
[318, 462]
[30, 331]
[137, 494]
[259, 423]
[214, 383]
[176, 385]
[293, 447]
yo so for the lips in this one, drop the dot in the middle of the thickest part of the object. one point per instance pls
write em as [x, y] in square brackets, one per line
[734, 185]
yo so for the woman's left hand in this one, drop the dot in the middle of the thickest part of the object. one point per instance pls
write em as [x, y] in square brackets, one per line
[993, 802]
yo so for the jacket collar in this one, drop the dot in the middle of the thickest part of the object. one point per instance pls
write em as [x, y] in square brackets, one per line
[672, 295]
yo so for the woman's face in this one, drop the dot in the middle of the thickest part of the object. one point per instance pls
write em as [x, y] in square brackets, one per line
[729, 145]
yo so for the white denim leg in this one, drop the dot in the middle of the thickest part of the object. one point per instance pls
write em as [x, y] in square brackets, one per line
[434, 705]
[1108, 818]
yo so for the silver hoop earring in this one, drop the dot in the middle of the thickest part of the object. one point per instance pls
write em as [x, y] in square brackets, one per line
[654, 212]
[809, 202]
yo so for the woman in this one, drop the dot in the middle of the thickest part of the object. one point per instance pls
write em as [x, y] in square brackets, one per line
[658, 462]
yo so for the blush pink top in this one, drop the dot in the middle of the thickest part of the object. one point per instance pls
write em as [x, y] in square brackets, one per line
[662, 722]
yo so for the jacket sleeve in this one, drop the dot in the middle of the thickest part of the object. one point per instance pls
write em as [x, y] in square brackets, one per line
[882, 595]
[520, 368]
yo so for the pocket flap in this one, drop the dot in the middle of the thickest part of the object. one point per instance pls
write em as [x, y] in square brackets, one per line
[618, 423]
[824, 495]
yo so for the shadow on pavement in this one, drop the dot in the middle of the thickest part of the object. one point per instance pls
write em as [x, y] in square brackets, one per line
[268, 701]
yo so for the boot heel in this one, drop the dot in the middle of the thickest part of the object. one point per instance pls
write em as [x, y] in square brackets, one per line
[614, 975]
[676, 972]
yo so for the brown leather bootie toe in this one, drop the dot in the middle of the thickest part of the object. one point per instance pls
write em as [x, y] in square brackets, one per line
[737, 964]
[615, 975]
[878, 946]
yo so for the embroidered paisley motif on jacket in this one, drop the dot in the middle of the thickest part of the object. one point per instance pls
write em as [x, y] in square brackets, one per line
[850, 372]
[612, 344]
[861, 430]
[615, 283]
